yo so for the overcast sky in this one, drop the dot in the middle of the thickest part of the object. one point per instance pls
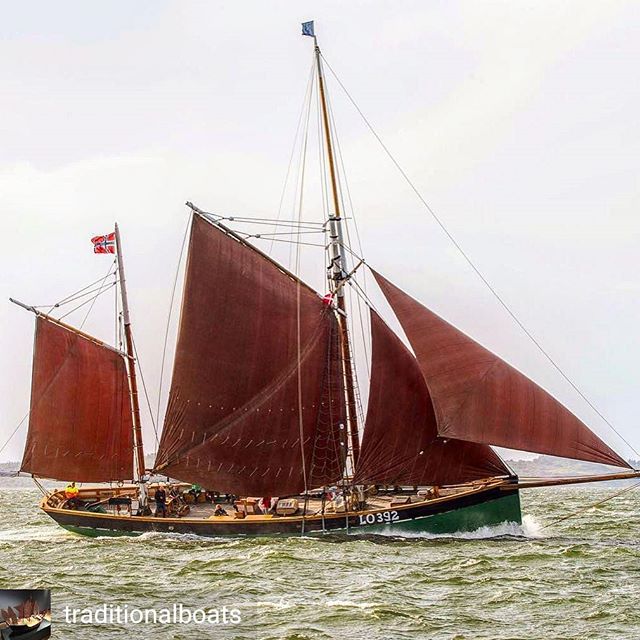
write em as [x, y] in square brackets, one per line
[518, 121]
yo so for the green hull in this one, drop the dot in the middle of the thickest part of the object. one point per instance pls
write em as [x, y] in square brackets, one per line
[464, 519]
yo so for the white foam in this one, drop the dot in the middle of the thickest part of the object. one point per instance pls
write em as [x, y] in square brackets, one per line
[36, 535]
[281, 605]
[530, 528]
[351, 604]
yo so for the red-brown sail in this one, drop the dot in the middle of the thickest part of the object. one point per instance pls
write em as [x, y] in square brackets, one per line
[255, 365]
[80, 424]
[480, 398]
[401, 445]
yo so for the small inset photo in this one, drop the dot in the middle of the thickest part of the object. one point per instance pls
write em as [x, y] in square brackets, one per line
[25, 614]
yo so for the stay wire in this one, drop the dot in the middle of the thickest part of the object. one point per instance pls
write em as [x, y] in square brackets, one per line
[298, 309]
[364, 330]
[290, 242]
[267, 221]
[296, 213]
[303, 109]
[74, 299]
[591, 506]
[91, 301]
[477, 271]
[169, 314]
[146, 393]
[71, 295]
[13, 433]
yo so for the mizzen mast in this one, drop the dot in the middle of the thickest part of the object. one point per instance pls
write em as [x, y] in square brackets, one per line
[337, 271]
[133, 382]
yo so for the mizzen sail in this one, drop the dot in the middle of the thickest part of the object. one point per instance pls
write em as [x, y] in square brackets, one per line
[401, 445]
[80, 425]
[478, 397]
[253, 406]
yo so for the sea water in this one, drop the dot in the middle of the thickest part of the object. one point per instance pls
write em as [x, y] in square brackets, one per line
[570, 580]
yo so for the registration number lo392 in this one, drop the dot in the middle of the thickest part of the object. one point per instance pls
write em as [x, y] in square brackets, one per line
[379, 518]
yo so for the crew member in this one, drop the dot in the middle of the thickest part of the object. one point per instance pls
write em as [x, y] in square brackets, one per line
[219, 511]
[71, 494]
[161, 502]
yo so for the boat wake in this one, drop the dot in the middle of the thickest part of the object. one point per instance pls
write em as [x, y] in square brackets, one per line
[47, 534]
[530, 529]
[178, 538]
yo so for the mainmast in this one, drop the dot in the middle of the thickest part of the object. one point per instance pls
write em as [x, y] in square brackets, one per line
[133, 383]
[337, 268]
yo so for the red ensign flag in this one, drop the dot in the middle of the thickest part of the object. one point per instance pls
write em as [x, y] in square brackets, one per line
[104, 244]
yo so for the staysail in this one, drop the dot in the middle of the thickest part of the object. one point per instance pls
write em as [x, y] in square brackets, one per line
[80, 425]
[480, 398]
[400, 445]
[254, 406]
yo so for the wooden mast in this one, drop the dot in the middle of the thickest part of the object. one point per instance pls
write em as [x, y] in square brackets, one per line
[133, 382]
[337, 270]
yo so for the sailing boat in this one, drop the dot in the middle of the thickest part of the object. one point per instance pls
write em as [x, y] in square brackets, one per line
[264, 402]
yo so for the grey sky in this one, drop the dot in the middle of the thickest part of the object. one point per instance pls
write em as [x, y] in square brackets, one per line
[518, 121]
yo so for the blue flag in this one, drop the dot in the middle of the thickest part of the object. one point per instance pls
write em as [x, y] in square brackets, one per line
[307, 29]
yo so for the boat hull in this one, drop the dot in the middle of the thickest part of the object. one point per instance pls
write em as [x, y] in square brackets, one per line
[464, 512]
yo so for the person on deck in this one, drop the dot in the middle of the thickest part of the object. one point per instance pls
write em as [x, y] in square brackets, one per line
[161, 502]
[219, 511]
[71, 494]
[195, 491]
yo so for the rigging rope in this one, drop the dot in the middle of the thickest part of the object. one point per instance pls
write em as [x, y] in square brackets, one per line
[291, 242]
[364, 332]
[591, 506]
[70, 299]
[91, 301]
[477, 271]
[300, 182]
[303, 109]
[13, 433]
[166, 331]
[65, 300]
[270, 221]
[146, 393]
[296, 233]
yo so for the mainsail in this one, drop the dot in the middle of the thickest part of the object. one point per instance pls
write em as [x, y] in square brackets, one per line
[80, 425]
[478, 397]
[400, 445]
[254, 406]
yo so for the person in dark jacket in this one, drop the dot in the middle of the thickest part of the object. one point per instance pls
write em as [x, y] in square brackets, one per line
[219, 511]
[161, 502]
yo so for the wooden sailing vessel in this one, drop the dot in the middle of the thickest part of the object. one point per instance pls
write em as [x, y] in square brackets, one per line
[264, 402]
